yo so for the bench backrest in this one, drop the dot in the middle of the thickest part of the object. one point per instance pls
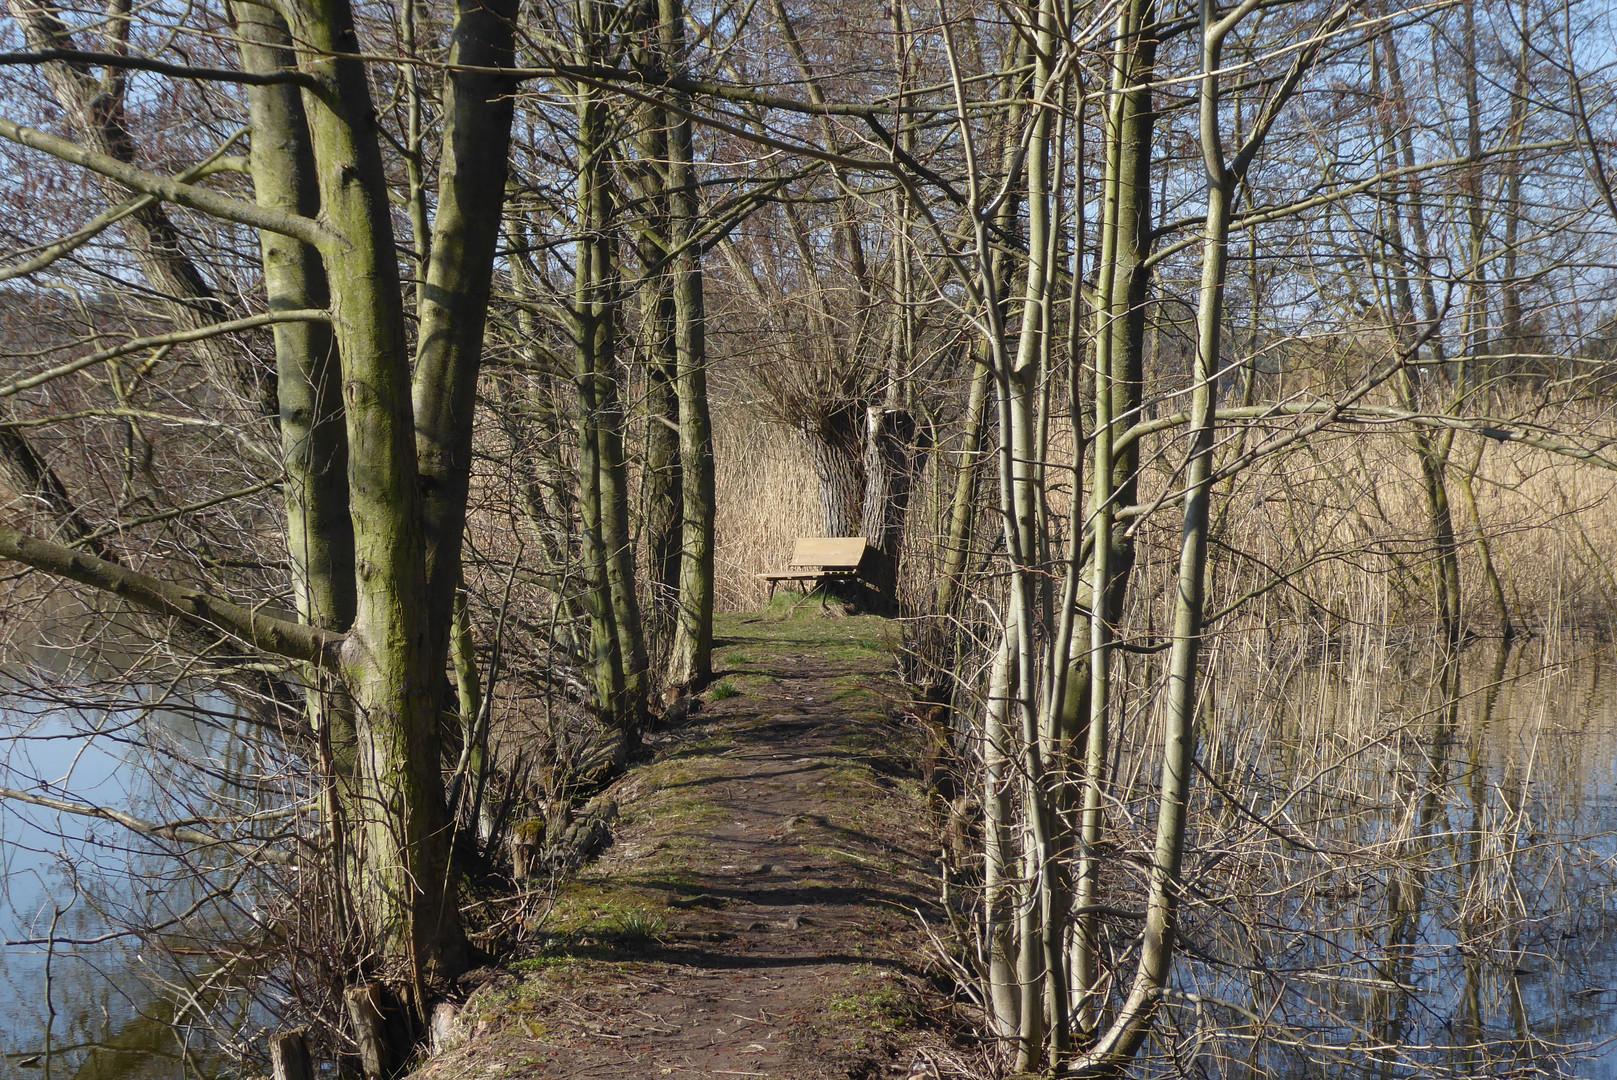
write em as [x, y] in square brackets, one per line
[828, 552]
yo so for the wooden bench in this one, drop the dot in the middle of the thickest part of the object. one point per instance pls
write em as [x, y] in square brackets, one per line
[818, 559]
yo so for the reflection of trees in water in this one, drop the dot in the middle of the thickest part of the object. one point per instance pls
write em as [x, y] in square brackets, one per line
[1401, 869]
[120, 945]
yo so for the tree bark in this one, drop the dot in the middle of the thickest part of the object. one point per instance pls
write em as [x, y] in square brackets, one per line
[620, 674]
[662, 484]
[454, 298]
[691, 660]
[314, 447]
[838, 462]
[1119, 338]
[392, 661]
[889, 439]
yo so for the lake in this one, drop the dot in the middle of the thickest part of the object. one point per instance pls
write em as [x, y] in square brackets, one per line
[80, 996]
[1399, 869]
[1406, 870]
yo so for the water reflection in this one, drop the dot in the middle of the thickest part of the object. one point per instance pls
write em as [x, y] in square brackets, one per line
[1406, 867]
[111, 936]
[1400, 868]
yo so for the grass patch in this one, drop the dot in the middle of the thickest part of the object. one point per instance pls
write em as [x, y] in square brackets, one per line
[799, 624]
[535, 964]
[785, 605]
[723, 689]
[615, 918]
[885, 1009]
[637, 925]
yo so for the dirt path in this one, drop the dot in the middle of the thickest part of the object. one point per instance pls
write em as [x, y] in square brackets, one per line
[755, 916]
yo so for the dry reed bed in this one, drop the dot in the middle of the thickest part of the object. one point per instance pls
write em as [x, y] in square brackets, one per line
[1306, 534]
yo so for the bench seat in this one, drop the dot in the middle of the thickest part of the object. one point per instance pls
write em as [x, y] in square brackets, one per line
[819, 558]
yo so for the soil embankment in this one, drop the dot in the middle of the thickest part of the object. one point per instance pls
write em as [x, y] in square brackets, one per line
[756, 914]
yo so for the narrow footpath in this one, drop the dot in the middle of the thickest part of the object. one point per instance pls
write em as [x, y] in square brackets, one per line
[756, 915]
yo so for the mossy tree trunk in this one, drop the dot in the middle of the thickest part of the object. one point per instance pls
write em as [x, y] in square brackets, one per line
[314, 443]
[618, 644]
[365, 513]
[388, 663]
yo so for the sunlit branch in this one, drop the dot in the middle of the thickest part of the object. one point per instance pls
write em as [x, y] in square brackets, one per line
[279, 636]
[162, 831]
[178, 337]
[189, 196]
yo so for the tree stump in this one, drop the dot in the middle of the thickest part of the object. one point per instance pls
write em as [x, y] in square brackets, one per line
[370, 1029]
[289, 1056]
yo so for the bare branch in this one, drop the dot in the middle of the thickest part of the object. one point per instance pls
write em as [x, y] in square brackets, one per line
[148, 828]
[189, 196]
[142, 63]
[282, 637]
[179, 337]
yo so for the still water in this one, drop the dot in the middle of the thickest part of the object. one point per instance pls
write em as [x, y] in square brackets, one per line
[81, 996]
[1398, 870]
[1405, 869]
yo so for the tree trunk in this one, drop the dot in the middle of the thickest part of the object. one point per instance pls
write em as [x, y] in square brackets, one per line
[1431, 452]
[890, 429]
[314, 446]
[835, 453]
[691, 659]
[1119, 342]
[620, 658]
[407, 893]
[691, 662]
[1000, 936]
[615, 531]
[962, 512]
[454, 297]
[889, 439]
[1112, 1052]
[662, 483]
[963, 505]
[664, 476]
